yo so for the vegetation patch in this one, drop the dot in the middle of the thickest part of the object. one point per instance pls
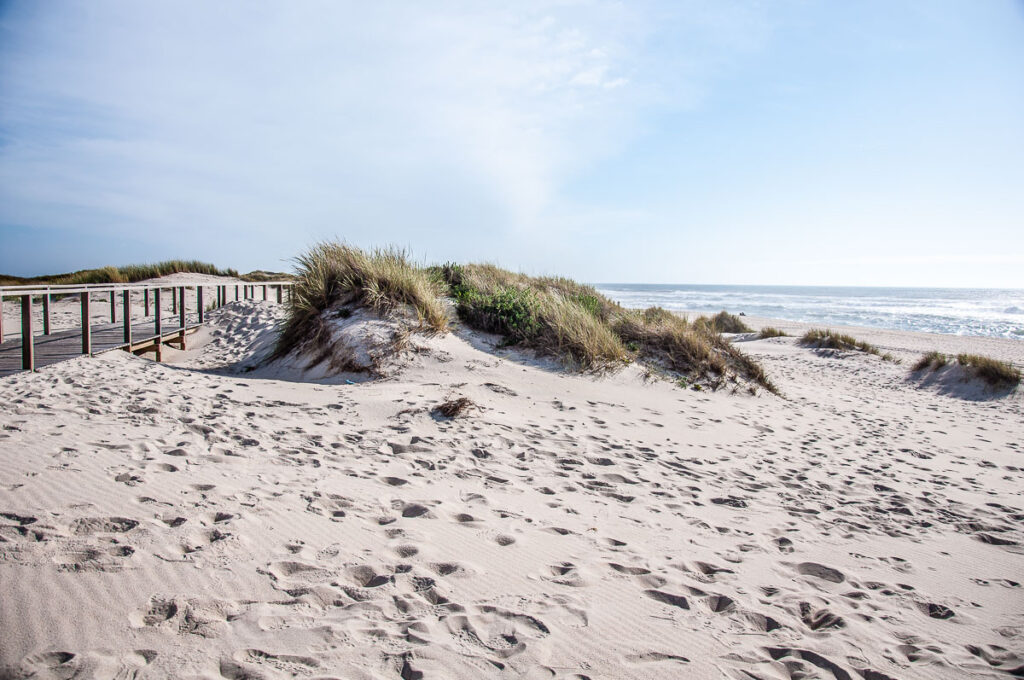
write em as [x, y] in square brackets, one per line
[454, 407]
[994, 373]
[724, 322]
[127, 274]
[339, 277]
[829, 339]
[771, 332]
[572, 321]
[931, 361]
[553, 316]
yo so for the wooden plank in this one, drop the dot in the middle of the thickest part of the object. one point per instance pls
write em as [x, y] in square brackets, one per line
[46, 315]
[28, 353]
[145, 300]
[280, 291]
[86, 326]
[113, 307]
[199, 303]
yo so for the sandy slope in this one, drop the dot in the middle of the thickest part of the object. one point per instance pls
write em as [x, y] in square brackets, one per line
[188, 520]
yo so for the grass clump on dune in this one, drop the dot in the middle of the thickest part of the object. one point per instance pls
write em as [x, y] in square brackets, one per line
[932, 361]
[334, 274]
[829, 339]
[724, 322]
[127, 274]
[995, 373]
[771, 332]
[563, 318]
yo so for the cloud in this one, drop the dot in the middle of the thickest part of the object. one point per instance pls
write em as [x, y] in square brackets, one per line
[371, 119]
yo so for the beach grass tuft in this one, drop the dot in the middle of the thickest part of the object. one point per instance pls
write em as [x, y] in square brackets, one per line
[336, 274]
[771, 332]
[724, 322]
[828, 339]
[995, 373]
[931, 361]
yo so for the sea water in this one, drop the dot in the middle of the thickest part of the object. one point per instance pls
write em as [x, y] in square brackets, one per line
[956, 311]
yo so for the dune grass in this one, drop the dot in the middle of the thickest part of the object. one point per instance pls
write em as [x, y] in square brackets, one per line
[572, 321]
[771, 332]
[995, 373]
[724, 322]
[125, 274]
[829, 339]
[332, 274]
[932, 361]
[554, 316]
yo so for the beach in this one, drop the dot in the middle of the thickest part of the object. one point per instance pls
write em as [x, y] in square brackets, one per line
[218, 517]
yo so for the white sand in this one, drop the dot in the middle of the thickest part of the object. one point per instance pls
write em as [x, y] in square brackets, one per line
[184, 520]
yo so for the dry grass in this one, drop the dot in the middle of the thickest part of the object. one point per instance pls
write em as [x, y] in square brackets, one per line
[454, 407]
[574, 322]
[995, 373]
[829, 339]
[724, 322]
[126, 274]
[336, 275]
[932, 361]
[771, 332]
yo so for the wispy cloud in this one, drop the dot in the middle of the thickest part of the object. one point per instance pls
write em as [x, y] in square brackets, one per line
[373, 119]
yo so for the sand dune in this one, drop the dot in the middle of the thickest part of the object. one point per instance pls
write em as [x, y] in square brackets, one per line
[205, 519]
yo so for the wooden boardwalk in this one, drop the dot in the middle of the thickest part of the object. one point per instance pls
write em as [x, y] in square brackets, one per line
[90, 338]
[64, 345]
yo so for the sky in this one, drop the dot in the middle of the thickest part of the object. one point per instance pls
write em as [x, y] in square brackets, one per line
[689, 141]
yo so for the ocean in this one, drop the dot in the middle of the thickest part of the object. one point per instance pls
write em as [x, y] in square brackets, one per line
[955, 311]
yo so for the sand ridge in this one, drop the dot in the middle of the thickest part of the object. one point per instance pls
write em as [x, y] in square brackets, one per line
[202, 519]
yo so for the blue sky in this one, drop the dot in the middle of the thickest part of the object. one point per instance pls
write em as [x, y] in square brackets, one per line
[790, 142]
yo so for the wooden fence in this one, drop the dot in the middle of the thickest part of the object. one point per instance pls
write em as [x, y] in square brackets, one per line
[131, 335]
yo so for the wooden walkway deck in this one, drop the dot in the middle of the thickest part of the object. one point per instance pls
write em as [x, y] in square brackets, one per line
[146, 334]
[64, 345]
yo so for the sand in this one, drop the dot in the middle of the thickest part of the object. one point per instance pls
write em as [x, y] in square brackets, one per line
[204, 519]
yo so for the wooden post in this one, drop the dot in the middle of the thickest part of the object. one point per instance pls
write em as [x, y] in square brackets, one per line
[280, 292]
[174, 302]
[199, 302]
[156, 325]
[46, 314]
[113, 307]
[86, 326]
[145, 300]
[236, 294]
[28, 350]
[264, 292]
[1, 317]
[181, 308]
[126, 312]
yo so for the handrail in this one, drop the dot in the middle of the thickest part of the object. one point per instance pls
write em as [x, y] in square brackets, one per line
[67, 289]
[244, 290]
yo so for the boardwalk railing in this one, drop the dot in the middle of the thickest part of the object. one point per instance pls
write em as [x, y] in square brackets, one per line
[131, 334]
